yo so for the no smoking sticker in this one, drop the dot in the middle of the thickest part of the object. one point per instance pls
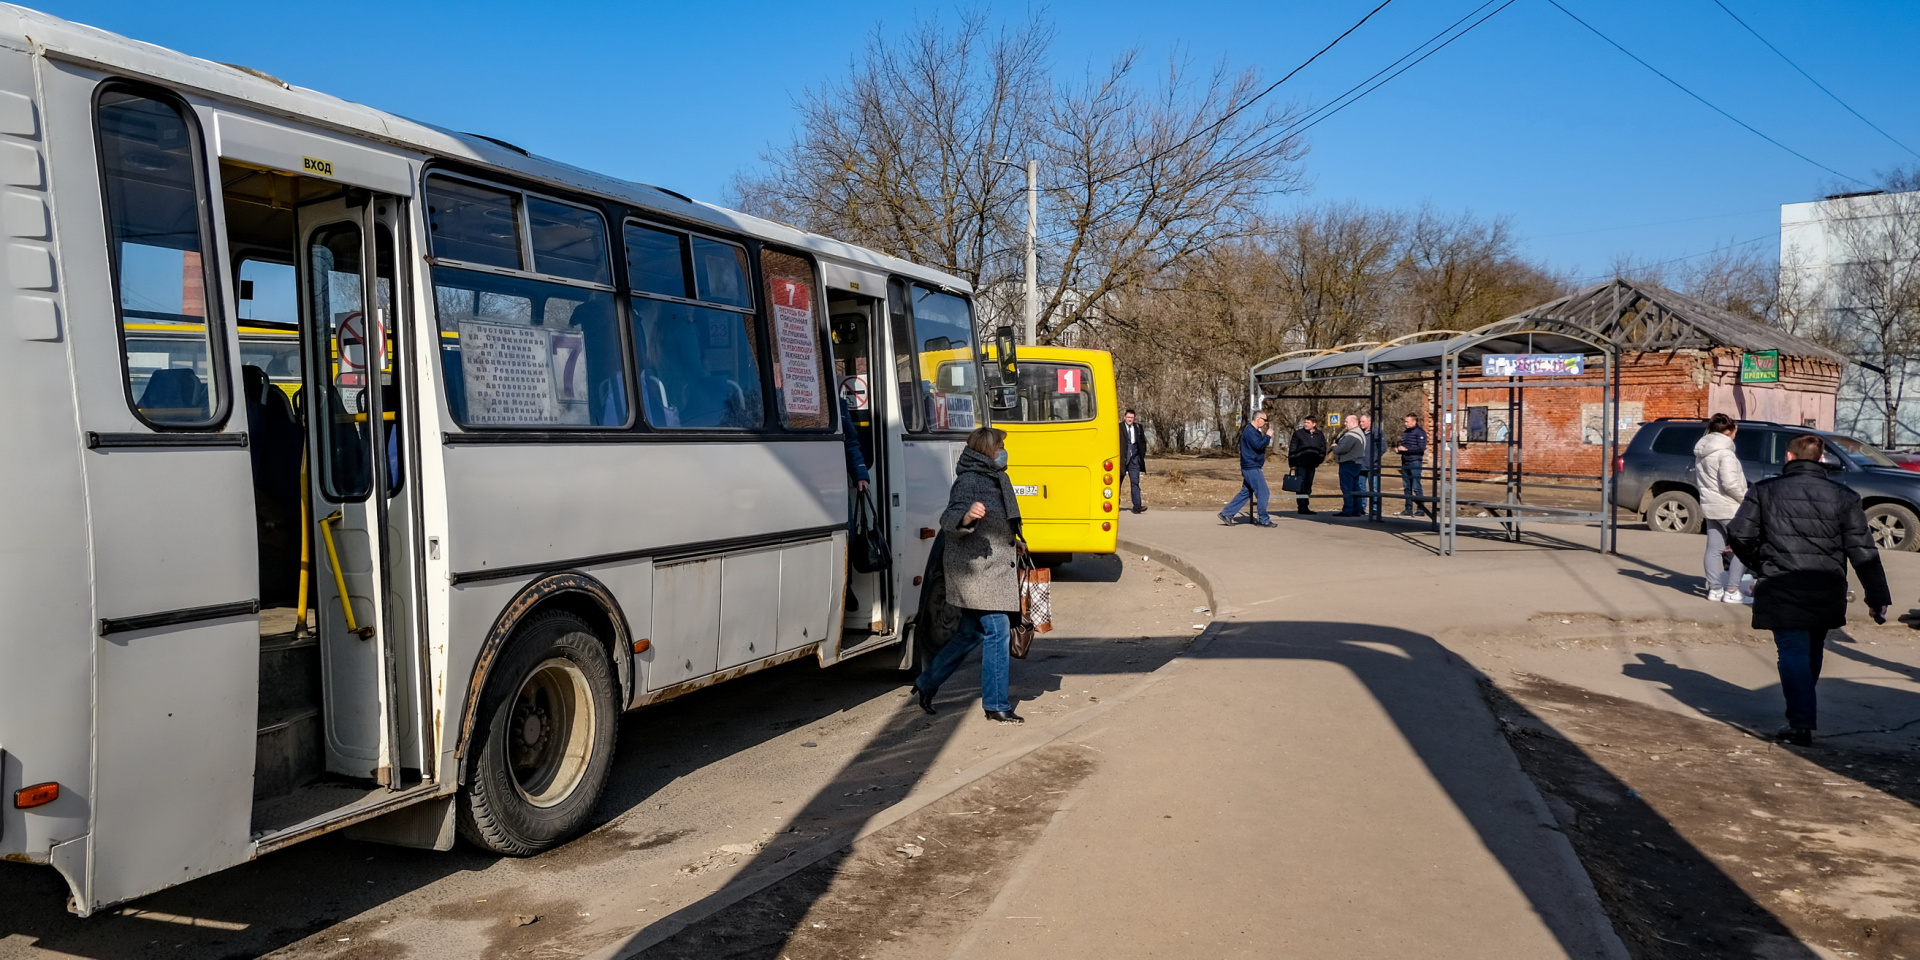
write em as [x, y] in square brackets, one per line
[853, 389]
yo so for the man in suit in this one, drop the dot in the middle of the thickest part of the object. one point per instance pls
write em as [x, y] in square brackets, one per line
[1133, 455]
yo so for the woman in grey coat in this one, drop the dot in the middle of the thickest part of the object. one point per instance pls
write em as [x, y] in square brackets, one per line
[982, 567]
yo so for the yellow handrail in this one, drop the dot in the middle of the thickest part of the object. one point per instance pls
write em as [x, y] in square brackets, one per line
[339, 578]
[306, 546]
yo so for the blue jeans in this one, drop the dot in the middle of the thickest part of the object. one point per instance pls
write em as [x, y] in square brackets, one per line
[1352, 482]
[1410, 468]
[1800, 654]
[1256, 482]
[989, 632]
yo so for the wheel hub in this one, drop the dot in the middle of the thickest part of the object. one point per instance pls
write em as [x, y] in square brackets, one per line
[550, 732]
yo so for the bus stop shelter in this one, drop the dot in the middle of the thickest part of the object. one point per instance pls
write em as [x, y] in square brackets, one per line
[1515, 355]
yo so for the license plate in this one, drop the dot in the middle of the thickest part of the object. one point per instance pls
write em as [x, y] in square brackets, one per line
[1026, 490]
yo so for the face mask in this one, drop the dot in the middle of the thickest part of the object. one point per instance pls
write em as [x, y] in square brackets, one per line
[1000, 459]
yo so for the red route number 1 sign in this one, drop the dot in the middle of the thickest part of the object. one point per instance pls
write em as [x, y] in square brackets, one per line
[1070, 380]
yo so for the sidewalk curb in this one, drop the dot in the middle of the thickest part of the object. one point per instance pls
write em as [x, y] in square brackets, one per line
[747, 885]
[1216, 599]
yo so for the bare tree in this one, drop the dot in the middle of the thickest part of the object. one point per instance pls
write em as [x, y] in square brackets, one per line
[1874, 244]
[897, 156]
[1138, 176]
[1462, 272]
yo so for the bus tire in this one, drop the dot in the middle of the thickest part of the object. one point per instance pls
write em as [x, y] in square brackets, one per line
[543, 742]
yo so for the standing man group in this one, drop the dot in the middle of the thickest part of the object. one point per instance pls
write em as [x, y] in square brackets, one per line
[1797, 532]
[1255, 437]
[1133, 455]
[1413, 458]
[1306, 450]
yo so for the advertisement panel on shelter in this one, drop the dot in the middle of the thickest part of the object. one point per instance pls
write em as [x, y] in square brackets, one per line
[1533, 365]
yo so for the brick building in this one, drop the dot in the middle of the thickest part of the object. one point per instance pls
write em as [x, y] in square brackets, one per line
[1679, 357]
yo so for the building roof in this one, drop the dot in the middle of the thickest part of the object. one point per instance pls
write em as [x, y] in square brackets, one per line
[1644, 316]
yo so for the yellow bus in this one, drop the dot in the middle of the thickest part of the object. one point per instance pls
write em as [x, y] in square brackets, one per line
[1063, 445]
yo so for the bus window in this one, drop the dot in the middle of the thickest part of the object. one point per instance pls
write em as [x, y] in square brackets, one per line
[148, 160]
[943, 329]
[267, 294]
[906, 359]
[699, 365]
[516, 351]
[800, 376]
[1051, 393]
[568, 241]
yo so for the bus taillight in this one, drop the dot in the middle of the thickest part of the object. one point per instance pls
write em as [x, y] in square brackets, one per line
[1108, 465]
[36, 795]
[1107, 506]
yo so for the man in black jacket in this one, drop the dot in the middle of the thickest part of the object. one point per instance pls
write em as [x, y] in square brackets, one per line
[1413, 460]
[1306, 450]
[1133, 455]
[1797, 532]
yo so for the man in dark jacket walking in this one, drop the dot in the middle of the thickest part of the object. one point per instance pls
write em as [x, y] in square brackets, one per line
[1255, 437]
[1797, 532]
[1133, 455]
[1413, 459]
[1306, 450]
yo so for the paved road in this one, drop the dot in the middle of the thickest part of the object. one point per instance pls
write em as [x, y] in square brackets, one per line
[703, 787]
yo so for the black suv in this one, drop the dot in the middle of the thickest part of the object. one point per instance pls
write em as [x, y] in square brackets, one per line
[1655, 476]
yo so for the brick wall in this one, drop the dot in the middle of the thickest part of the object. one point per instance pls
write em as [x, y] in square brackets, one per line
[1554, 426]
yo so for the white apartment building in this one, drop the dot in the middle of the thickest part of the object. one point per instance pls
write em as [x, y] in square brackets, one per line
[1850, 278]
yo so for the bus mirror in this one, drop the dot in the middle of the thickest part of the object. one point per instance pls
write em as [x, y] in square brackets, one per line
[1003, 348]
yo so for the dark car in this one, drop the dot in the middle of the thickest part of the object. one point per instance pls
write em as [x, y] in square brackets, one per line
[1655, 476]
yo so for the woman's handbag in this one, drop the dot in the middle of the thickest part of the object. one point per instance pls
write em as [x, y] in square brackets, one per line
[1290, 483]
[867, 546]
[1036, 606]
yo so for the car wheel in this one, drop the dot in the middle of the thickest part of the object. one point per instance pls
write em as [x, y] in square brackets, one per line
[1675, 511]
[543, 741]
[1894, 527]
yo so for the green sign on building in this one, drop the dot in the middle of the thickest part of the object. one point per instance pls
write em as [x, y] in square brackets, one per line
[1760, 366]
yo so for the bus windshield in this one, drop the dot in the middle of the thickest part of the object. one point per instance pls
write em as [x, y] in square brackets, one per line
[943, 325]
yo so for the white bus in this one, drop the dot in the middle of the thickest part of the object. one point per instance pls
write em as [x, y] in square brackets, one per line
[507, 447]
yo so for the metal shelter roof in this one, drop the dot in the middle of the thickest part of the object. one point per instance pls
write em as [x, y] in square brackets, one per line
[1648, 317]
[1429, 351]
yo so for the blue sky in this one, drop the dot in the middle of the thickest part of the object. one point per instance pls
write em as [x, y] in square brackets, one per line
[1528, 117]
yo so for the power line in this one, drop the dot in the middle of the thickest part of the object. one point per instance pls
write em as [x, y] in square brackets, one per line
[1158, 155]
[1810, 79]
[1709, 104]
[1298, 129]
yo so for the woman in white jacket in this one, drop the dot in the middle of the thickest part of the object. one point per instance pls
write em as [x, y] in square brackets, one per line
[1722, 485]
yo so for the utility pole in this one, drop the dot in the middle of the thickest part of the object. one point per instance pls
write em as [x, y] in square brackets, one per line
[1033, 247]
[1033, 253]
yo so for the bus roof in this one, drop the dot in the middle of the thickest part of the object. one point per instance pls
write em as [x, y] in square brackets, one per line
[35, 32]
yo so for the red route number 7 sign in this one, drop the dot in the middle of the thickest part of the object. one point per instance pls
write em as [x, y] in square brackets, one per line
[1069, 380]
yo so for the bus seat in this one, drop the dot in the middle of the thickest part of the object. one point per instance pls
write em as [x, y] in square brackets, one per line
[274, 443]
[177, 392]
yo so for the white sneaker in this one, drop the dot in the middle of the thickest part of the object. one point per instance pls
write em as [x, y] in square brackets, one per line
[1716, 595]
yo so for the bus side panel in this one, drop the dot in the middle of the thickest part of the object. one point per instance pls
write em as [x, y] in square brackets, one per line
[46, 649]
[510, 505]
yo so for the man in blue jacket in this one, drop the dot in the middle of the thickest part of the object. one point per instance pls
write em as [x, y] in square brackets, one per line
[1255, 437]
[1413, 458]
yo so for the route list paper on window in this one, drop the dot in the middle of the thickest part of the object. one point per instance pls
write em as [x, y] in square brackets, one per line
[509, 373]
[799, 349]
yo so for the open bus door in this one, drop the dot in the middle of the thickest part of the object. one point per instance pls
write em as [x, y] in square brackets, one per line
[362, 587]
[859, 349]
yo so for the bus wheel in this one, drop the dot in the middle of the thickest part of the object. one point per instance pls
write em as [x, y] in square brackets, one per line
[543, 743]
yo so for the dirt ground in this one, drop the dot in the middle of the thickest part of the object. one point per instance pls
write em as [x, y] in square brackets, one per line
[1705, 839]
[905, 892]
